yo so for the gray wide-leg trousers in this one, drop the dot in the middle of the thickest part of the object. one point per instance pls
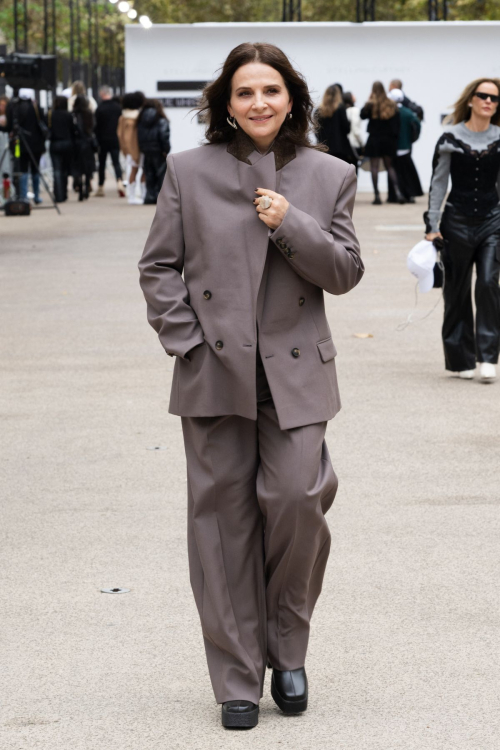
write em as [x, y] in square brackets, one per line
[258, 542]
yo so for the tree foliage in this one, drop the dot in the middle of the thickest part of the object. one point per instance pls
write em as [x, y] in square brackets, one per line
[111, 22]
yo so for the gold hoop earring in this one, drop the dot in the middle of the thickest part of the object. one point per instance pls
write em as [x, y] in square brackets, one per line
[232, 122]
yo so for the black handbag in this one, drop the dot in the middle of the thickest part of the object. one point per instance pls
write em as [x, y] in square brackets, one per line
[438, 267]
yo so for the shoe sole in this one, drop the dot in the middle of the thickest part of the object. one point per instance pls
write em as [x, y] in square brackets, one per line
[288, 707]
[246, 720]
[488, 380]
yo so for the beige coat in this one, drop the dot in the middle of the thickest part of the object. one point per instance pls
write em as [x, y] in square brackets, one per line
[127, 134]
[214, 275]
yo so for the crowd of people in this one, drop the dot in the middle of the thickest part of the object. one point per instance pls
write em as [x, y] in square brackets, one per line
[393, 126]
[134, 131]
[81, 133]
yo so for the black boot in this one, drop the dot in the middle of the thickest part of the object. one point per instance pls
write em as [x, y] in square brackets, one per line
[240, 714]
[289, 690]
[377, 201]
[399, 195]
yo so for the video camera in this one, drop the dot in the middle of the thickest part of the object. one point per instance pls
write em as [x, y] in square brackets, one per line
[29, 71]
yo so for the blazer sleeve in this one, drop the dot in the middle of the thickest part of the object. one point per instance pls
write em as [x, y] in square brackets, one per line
[161, 266]
[330, 259]
[441, 165]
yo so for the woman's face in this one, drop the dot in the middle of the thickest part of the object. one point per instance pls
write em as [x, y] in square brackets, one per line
[480, 107]
[259, 101]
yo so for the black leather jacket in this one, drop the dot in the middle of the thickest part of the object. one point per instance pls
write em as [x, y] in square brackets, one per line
[153, 132]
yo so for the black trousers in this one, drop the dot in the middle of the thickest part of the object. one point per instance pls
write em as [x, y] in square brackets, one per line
[104, 150]
[61, 165]
[470, 241]
[155, 167]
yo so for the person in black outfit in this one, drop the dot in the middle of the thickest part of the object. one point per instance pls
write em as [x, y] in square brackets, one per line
[397, 83]
[85, 146]
[409, 181]
[333, 126]
[106, 123]
[469, 229]
[153, 132]
[383, 132]
[24, 110]
[62, 145]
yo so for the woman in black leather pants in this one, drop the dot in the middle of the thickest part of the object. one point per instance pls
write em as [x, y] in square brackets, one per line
[469, 153]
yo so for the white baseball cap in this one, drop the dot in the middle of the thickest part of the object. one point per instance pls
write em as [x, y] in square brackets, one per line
[396, 95]
[421, 261]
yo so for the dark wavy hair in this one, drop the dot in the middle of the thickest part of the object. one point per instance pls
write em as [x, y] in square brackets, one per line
[216, 95]
[157, 106]
[133, 100]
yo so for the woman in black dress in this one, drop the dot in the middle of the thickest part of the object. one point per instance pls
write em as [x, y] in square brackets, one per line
[85, 146]
[332, 125]
[383, 131]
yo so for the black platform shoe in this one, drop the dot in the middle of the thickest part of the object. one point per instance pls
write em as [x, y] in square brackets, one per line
[289, 690]
[240, 714]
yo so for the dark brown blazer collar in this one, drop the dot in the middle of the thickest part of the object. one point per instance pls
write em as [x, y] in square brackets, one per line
[243, 148]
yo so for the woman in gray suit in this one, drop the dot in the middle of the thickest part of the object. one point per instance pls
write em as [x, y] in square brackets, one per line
[249, 230]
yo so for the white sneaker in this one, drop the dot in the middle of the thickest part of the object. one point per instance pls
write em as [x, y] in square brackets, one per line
[133, 199]
[487, 372]
[466, 374]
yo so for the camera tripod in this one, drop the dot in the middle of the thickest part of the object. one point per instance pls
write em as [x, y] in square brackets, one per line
[20, 136]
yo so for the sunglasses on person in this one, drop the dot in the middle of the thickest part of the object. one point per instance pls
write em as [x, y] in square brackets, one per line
[493, 97]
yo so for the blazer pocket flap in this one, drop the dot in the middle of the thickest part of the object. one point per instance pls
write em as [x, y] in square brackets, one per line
[327, 349]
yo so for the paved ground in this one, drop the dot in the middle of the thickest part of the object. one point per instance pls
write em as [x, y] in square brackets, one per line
[404, 648]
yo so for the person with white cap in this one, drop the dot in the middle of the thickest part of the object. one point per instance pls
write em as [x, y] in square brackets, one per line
[409, 131]
[469, 153]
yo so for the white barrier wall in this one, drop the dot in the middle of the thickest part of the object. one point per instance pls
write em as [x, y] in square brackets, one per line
[434, 60]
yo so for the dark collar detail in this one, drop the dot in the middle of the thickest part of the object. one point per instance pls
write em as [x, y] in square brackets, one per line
[242, 146]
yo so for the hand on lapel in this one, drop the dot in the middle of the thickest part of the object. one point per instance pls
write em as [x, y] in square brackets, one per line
[274, 215]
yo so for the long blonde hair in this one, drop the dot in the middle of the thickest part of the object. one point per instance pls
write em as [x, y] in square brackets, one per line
[332, 99]
[383, 108]
[78, 89]
[461, 109]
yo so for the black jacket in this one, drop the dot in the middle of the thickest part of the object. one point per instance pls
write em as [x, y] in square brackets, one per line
[333, 132]
[415, 108]
[62, 131]
[106, 122]
[23, 111]
[377, 126]
[153, 132]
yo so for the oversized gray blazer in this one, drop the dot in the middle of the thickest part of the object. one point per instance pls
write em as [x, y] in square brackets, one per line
[214, 274]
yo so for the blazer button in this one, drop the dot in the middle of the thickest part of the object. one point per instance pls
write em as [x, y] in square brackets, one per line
[219, 345]
[301, 301]
[290, 255]
[207, 294]
[296, 352]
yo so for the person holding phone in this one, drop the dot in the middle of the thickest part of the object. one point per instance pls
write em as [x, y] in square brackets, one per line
[469, 153]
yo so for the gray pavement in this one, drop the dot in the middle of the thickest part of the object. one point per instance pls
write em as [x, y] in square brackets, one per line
[404, 649]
